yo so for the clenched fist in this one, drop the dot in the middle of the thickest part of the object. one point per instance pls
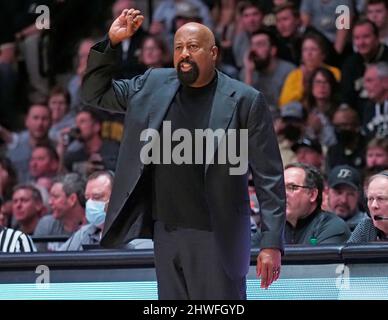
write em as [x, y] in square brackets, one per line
[125, 25]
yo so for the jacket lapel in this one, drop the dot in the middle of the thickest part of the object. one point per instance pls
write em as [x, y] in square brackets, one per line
[222, 112]
[165, 94]
[159, 107]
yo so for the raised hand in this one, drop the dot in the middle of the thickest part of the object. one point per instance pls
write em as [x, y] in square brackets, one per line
[125, 25]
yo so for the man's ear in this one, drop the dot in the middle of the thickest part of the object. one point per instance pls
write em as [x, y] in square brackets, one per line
[314, 195]
[214, 52]
[72, 199]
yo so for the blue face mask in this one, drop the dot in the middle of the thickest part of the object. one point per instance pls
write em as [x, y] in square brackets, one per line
[95, 212]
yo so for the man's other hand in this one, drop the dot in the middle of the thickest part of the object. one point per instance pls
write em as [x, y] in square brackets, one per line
[268, 266]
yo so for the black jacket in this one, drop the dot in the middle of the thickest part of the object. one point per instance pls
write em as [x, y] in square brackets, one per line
[145, 100]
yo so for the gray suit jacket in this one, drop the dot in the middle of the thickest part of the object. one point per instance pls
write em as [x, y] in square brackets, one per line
[145, 100]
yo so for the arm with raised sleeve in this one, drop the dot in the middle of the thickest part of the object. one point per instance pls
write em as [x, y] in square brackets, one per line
[98, 87]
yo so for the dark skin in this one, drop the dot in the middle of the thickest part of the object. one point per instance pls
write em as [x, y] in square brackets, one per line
[195, 42]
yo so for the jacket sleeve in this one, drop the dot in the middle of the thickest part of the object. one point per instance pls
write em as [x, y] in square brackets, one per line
[98, 89]
[267, 171]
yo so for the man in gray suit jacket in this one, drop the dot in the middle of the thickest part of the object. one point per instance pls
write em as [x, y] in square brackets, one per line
[197, 213]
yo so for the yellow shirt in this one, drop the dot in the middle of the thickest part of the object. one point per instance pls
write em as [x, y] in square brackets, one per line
[293, 86]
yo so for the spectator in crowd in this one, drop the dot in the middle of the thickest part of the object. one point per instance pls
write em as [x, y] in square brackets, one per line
[20, 145]
[96, 153]
[223, 65]
[67, 203]
[27, 208]
[30, 48]
[374, 114]
[313, 56]
[375, 227]
[351, 145]
[368, 50]
[8, 179]
[112, 124]
[376, 160]
[127, 64]
[322, 15]
[74, 84]
[154, 53]
[289, 128]
[12, 241]
[262, 69]
[165, 14]
[320, 102]
[377, 12]
[185, 12]
[59, 104]
[309, 151]
[290, 35]
[225, 29]
[44, 162]
[97, 194]
[70, 21]
[250, 20]
[377, 153]
[306, 222]
[345, 194]
[5, 213]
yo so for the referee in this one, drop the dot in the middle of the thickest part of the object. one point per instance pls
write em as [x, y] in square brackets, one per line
[15, 241]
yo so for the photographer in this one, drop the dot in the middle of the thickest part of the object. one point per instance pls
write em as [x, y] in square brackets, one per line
[82, 149]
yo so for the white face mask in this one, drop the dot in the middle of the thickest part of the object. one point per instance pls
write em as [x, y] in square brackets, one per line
[95, 212]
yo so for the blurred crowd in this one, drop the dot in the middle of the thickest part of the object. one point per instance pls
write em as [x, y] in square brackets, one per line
[323, 73]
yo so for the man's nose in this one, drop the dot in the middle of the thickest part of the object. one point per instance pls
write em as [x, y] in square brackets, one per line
[374, 204]
[185, 53]
[342, 198]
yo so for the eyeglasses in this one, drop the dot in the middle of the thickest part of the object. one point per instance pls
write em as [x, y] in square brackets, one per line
[295, 187]
[321, 82]
[379, 199]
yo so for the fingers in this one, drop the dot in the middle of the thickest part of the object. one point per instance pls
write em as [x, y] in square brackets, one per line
[258, 267]
[134, 19]
[265, 274]
[277, 274]
[123, 15]
[138, 20]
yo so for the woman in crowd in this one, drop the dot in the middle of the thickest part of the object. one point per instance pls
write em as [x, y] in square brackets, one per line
[313, 57]
[320, 103]
[154, 53]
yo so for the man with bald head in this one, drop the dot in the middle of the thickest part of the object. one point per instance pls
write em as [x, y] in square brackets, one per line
[175, 187]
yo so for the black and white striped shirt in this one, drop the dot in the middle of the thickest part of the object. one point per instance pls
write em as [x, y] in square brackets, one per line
[15, 241]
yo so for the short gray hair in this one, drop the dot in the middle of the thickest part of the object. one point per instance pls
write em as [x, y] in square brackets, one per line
[73, 183]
